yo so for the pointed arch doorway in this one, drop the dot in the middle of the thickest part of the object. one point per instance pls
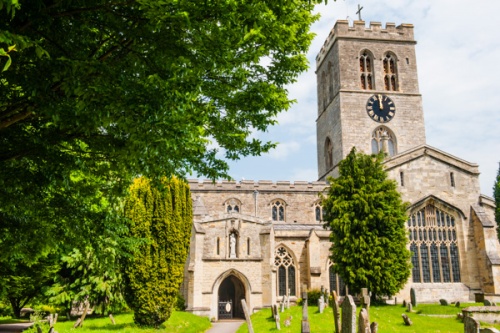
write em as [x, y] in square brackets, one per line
[231, 292]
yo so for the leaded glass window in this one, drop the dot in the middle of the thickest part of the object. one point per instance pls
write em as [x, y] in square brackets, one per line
[233, 205]
[390, 73]
[286, 271]
[433, 232]
[366, 70]
[336, 282]
[278, 210]
[380, 134]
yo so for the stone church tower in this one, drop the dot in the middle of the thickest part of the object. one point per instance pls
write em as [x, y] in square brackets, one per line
[359, 70]
[262, 240]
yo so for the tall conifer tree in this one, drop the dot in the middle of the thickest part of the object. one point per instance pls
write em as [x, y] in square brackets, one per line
[162, 217]
[367, 218]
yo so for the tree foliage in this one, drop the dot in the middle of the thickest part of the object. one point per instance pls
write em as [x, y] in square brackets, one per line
[496, 195]
[162, 217]
[367, 218]
[94, 93]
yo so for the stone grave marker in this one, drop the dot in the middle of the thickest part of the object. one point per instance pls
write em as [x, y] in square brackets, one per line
[443, 302]
[304, 309]
[288, 300]
[471, 325]
[410, 308]
[348, 315]
[364, 322]
[487, 302]
[406, 320]
[112, 319]
[247, 315]
[321, 304]
[457, 304]
[288, 321]
[336, 311]
[305, 328]
[404, 303]
[374, 327]
[413, 297]
[274, 310]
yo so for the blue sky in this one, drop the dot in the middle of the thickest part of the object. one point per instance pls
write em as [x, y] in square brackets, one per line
[458, 53]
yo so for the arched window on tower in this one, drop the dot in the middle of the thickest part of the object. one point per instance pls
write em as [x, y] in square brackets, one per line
[286, 272]
[323, 90]
[383, 136]
[330, 81]
[328, 153]
[366, 71]
[278, 210]
[318, 211]
[433, 243]
[390, 73]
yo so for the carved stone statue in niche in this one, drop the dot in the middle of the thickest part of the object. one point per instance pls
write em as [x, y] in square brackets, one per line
[232, 245]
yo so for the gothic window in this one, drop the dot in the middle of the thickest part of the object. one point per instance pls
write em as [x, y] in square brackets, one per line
[390, 73]
[278, 210]
[452, 179]
[248, 246]
[433, 243]
[218, 246]
[323, 90]
[366, 71]
[328, 153]
[336, 282]
[286, 271]
[383, 136]
[318, 212]
[233, 206]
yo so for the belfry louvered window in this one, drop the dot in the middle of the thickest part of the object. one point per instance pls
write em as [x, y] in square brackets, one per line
[366, 71]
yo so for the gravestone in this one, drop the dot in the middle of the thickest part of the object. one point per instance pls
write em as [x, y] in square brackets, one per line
[443, 302]
[112, 319]
[247, 315]
[304, 309]
[374, 327]
[404, 303]
[288, 300]
[395, 301]
[457, 304]
[336, 311]
[348, 315]
[274, 310]
[305, 328]
[487, 302]
[406, 320]
[288, 321]
[321, 304]
[471, 325]
[282, 306]
[410, 308]
[413, 297]
[364, 322]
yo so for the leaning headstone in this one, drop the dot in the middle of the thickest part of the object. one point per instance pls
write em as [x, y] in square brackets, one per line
[336, 311]
[410, 308]
[413, 297]
[348, 315]
[282, 306]
[364, 322]
[471, 325]
[443, 302]
[112, 319]
[275, 311]
[247, 315]
[487, 302]
[374, 327]
[406, 320]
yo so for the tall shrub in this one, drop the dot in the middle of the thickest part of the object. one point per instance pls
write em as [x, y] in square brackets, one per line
[161, 219]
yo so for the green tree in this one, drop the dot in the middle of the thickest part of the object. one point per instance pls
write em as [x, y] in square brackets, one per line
[496, 195]
[366, 216]
[94, 93]
[162, 217]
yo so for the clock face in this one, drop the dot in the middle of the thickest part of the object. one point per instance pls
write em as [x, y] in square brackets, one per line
[380, 108]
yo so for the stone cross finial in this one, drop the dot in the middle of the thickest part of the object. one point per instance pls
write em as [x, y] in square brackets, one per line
[359, 12]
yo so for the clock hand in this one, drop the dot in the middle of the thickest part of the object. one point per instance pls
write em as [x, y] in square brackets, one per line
[380, 102]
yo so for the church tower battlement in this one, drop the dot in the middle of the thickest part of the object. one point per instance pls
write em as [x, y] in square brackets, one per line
[368, 94]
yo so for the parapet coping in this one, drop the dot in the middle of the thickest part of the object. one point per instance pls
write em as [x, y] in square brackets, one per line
[358, 30]
[197, 184]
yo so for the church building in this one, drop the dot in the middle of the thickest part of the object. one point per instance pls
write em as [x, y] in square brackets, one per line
[260, 240]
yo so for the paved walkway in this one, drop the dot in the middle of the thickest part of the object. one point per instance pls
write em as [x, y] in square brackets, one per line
[225, 326]
[14, 328]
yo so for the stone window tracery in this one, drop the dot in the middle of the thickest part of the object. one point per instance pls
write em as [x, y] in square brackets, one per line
[336, 282]
[390, 72]
[433, 243]
[286, 271]
[366, 71]
[384, 136]
[278, 210]
[233, 206]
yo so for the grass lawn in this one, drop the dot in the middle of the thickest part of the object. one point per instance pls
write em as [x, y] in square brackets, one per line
[179, 322]
[9, 320]
[426, 318]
